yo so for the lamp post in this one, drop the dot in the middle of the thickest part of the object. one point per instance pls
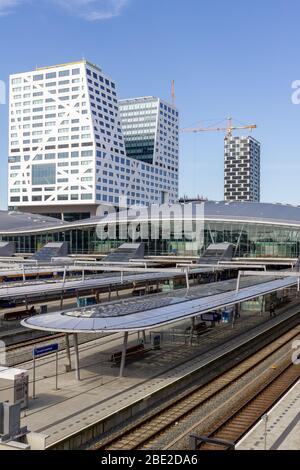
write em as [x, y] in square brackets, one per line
[265, 420]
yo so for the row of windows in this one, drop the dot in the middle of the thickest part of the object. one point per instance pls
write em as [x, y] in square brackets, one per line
[60, 197]
[30, 90]
[167, 108]
[141, 107]
[61, 73]
[100, 78]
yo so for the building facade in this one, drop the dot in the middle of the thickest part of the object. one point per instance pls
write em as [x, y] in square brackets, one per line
[67, 152]
[150, 127]
[255, 229]
[241, 169]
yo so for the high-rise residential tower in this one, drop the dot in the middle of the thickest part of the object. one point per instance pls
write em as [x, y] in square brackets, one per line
[241, 169]
[67, 153]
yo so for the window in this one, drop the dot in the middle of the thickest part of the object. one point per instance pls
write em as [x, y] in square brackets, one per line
[64, 73]
[38, 77]
[51, 75]
[43, 174]
[87, 153]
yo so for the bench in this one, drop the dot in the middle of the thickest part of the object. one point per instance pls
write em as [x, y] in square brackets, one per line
[198, 329]
[138, 292]
[132, 354]
[19, 315]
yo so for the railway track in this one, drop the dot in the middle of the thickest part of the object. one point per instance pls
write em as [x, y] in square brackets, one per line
[144, 434]
[33, 342]
[235, 425]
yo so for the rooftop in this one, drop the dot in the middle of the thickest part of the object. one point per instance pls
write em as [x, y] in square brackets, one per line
[67, 64]
[241, 212]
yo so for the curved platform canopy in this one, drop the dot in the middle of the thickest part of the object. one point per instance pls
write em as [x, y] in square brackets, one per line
[147, 314]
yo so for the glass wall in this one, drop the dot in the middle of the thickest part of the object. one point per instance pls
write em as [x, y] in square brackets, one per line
[249, 239]
[43, 174]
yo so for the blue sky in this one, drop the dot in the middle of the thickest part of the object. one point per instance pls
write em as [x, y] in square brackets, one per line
[226, 57]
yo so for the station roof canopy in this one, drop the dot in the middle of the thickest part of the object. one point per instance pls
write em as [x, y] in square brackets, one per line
[151, 313]
[263, 213]
[48, 287]
[23, 222]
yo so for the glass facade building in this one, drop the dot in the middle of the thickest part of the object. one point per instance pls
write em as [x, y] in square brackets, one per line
[256, 230]
[139, 124]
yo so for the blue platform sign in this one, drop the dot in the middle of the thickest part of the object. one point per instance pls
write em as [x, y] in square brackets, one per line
[45, 349]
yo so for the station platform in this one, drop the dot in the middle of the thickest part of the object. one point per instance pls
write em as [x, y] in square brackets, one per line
[283, 426]
[11, 332]
[101, 394]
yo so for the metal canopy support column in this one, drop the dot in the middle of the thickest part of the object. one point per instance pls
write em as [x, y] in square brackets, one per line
[77, 369]
[238, 282]
[187, 279]
[69, 363]
[192, 330]
[144, 337]
[123, 359]
[62, 300]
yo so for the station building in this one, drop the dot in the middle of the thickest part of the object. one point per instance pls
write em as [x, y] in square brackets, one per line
[257, 230]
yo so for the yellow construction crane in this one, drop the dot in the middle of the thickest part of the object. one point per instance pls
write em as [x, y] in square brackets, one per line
[227, 129]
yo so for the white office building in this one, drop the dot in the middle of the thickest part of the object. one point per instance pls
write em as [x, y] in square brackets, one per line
[67, 151]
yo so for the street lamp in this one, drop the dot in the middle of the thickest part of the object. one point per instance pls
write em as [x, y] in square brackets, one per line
[265, 420]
